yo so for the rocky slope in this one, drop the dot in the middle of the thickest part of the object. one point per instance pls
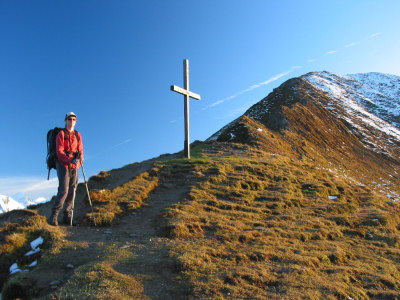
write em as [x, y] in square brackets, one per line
[348, 123]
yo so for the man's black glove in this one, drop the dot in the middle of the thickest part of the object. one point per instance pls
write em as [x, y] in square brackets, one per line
[76, 159]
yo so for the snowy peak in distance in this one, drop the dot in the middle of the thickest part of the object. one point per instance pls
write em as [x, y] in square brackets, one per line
[17, 201]
[8, 204]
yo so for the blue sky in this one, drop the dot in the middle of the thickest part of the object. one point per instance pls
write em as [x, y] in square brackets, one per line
[112, 63]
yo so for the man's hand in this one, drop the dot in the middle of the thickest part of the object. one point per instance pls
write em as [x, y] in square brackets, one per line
[77, 159]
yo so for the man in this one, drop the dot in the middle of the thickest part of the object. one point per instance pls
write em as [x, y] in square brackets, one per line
[69, 151]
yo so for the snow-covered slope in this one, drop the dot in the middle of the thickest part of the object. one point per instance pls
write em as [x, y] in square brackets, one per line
[378, 92]
[384, 91]
[369, 102]
[370, 94]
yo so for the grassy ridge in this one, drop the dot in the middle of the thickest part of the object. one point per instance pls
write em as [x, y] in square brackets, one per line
[252, 226]
[279, 229]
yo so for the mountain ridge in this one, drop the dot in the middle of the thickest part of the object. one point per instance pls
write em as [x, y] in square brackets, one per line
[315, 117]
[324, 80]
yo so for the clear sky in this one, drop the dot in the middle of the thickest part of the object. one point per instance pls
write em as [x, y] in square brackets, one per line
[112, 63]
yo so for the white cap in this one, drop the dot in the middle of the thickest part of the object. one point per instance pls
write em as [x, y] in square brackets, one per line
[69, 115]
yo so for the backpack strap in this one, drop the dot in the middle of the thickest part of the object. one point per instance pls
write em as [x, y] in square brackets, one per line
[66, 134]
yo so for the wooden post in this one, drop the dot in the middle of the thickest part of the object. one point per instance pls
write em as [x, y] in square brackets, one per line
[186, 105]
[187, 94]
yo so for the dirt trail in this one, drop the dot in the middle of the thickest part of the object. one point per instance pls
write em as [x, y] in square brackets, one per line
[139, 233]
[135, 231]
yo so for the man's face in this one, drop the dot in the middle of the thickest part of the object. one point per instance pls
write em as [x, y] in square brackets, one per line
[70, 121]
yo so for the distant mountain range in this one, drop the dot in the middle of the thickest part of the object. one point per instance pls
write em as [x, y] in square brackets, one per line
[17, 201]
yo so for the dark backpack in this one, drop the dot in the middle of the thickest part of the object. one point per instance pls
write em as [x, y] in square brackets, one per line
[51, 157]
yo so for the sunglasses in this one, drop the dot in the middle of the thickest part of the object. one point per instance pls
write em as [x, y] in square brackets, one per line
[71, 119]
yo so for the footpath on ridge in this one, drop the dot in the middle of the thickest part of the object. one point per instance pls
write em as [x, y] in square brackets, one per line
[137, 232]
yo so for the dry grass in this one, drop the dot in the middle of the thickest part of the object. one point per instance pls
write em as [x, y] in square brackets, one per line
[253, 226]
[130, 196]
[102, 280]
[269, 230]
[15, 237]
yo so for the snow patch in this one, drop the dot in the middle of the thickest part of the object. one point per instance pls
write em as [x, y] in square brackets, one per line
[35, 246]
[35, 249]
[37, 242]
[33, 264]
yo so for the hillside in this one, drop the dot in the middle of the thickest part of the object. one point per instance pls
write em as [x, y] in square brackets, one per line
[333, 120]
[296, 199]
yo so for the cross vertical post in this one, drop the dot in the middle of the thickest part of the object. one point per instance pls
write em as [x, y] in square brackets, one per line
[187, 94]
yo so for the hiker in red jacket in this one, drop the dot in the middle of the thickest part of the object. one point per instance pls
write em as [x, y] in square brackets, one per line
[69, 150]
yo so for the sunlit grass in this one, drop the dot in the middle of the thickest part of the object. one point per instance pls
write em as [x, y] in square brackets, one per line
[15, 238]
[130, 196]
[254, 225]
[102, 280]
[271, 230]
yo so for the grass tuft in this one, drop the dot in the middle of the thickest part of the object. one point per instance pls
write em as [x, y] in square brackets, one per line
[15, 241]
[130, 196]
[103, 280]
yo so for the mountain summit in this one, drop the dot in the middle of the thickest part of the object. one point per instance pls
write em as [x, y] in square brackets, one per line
[350, 124]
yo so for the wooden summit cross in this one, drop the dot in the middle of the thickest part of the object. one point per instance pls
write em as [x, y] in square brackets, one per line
[186, 94]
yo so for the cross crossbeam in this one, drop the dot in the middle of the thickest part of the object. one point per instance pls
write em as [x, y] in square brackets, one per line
[187, 94]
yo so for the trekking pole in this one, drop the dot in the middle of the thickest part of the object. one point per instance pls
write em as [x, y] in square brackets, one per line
[72, 209]
[88, 194]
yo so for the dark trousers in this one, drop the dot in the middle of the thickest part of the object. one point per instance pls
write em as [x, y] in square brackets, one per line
[67, 183]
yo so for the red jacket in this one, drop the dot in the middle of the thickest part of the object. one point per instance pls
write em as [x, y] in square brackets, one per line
[70, 144]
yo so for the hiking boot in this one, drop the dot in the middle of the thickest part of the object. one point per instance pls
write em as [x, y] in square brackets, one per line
[53, 220]
[67, 221]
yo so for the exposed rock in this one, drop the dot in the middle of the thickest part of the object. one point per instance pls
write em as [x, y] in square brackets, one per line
[54, 283]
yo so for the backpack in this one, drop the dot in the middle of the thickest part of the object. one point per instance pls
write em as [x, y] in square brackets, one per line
[51, 157]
